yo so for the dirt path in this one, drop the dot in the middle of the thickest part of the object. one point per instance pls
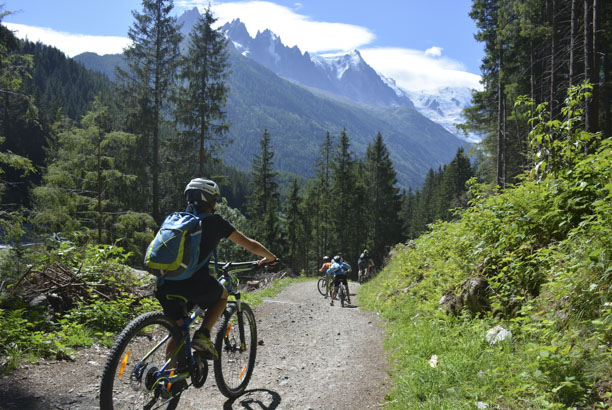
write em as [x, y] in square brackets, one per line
[311, 356]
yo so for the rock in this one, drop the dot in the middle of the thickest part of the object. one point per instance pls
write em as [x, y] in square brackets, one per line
[498, 334]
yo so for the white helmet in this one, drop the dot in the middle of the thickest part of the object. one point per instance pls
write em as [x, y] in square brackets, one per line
[201, 190]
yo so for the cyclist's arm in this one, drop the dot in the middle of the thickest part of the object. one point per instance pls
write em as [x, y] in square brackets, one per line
[252, 246]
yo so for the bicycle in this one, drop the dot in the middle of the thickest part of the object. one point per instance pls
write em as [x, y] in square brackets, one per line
[139, 373]
[322, 285]
[365, 274]
[341, 293]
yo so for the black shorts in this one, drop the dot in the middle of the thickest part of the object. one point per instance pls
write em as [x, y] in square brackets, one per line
[201, 289]
[362, 265]
[340, 278]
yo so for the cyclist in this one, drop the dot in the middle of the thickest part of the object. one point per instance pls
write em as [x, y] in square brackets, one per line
[202, 289]
[364, 263]
[326, 265]
[339, 269]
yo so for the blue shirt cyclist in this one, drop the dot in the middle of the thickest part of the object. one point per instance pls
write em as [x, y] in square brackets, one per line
[339, 269]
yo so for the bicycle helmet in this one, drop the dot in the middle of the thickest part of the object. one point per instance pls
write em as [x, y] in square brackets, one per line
[337, 259]
[325, 258]
[200, 190]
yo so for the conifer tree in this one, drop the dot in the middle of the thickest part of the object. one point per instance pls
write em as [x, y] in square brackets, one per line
[85, 176]
[318, 200]
[294, 228]
[202, 90]
[384, 202]
[13, 69]
[152, 59]
[263, 204]
[346, 198]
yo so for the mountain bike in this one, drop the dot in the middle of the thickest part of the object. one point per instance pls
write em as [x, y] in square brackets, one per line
[322, 285]
[341, 293]
[140, 373]
[365, 274]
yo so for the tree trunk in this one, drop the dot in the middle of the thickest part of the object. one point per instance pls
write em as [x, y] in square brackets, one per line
[595, 72]
[572, 50]
[606, 91]
[553, 61]
[588, 61]
[500, 127]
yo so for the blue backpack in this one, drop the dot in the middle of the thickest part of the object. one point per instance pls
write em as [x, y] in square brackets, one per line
[174, 252]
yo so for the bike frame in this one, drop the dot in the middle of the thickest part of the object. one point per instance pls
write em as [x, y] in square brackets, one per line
[163, 373]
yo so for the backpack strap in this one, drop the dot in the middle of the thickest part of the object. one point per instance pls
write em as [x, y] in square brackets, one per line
[202, 216]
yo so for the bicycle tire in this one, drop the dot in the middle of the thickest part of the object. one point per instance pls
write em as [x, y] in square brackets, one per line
[342, 294]
[234, 367]
[121, 387]
[321, 286]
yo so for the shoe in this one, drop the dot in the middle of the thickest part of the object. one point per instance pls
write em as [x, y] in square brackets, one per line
[331, 303]
[349, 301]
[201, 343]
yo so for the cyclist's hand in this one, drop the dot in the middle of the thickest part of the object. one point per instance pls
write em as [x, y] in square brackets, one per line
[268, 261]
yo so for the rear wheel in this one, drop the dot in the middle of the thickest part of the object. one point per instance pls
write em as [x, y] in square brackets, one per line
[128, 380]
[321, 286]
[342, 294]
[236, 361]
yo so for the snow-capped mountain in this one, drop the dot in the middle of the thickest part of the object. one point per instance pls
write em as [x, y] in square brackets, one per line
[345, 75]
[445, 106]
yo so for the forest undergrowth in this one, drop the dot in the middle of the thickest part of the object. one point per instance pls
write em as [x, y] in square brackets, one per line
[543, 249]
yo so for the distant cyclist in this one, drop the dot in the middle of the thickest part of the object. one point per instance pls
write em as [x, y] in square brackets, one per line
[339, 269]
[364, 264]
[326, 265]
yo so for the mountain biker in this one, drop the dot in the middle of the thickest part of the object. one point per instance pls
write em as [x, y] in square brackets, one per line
[202, 289]
[326, 265]
[339, 269]
[364, 263]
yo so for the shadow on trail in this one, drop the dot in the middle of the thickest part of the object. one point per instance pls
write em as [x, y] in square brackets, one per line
[16, 397]
[255, 399]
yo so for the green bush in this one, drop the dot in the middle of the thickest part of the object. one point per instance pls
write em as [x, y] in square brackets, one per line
[545, 248]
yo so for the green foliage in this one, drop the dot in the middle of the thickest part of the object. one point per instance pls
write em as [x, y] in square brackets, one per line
[544, 247]
[264, 202]
[202, 90]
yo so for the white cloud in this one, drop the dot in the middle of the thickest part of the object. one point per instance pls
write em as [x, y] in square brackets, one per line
[433, 52]
[415, 70]
[71, 44]
[293, 29]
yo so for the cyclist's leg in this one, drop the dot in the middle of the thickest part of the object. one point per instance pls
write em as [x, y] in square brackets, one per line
[348, 292]
[214, 312]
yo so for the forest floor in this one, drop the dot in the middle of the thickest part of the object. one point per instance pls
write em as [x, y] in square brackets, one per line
[310, 356]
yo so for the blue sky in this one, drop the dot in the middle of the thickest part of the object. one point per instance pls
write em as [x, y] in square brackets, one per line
[421, 44]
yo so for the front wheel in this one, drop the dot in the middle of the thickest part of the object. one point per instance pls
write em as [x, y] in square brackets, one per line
[321, 285]
[236, 343]
[129, 380]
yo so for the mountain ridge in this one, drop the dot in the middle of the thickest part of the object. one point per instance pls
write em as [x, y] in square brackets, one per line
[298, 117]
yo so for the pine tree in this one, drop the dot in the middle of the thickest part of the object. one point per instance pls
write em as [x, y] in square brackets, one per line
[152, 59]
[202, 90]
[263, 204]
[83, 181]
[347, 200]
[294, 225]
[384, 202]
[13, 69]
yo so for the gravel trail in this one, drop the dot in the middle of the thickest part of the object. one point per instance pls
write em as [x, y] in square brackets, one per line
[310, 356]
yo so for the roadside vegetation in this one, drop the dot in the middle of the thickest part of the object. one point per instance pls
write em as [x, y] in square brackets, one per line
[72, 296]
[543, 250]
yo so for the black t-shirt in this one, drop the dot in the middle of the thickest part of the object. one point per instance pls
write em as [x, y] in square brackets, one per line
[214, 228]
